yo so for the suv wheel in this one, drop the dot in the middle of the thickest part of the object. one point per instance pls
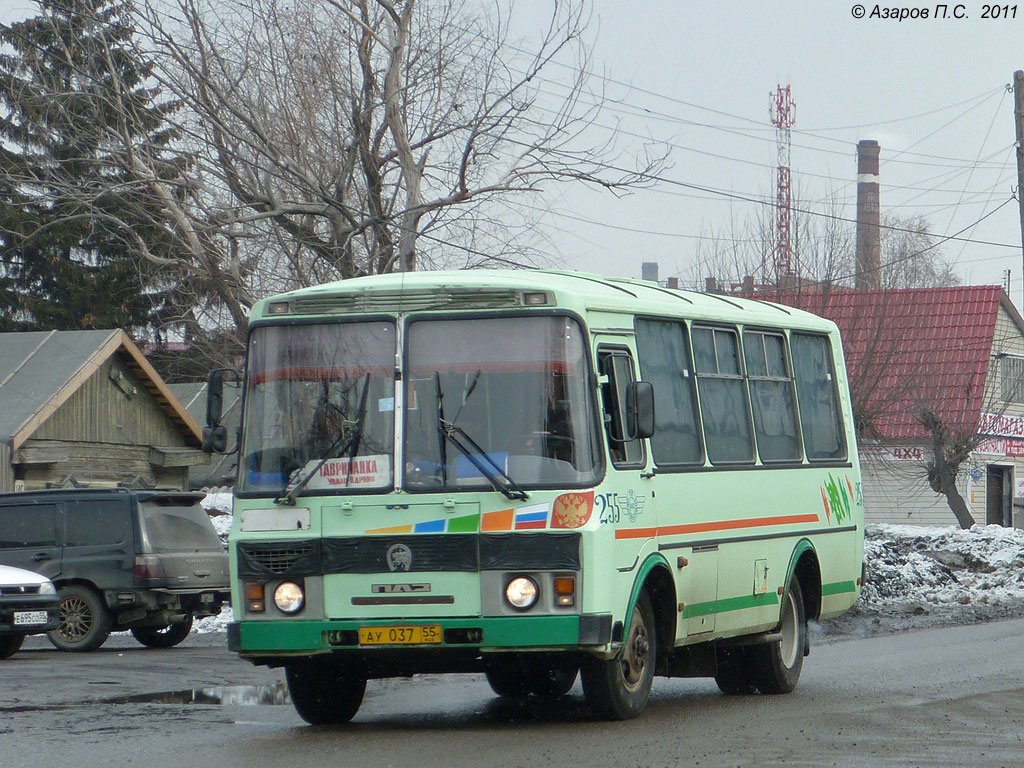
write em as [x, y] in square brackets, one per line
[163, 637]
[84, 620]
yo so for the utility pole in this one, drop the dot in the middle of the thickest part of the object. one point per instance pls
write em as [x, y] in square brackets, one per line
[1018, 114]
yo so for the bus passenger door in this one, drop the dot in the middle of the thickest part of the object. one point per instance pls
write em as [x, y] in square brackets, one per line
[625, 502]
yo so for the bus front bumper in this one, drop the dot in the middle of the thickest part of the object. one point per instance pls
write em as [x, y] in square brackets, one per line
[287, 637]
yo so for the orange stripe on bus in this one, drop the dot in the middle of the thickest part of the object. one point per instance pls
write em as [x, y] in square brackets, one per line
[497, 521]
[720, 525]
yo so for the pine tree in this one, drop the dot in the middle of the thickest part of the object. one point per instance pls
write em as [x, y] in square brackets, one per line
[75, 101]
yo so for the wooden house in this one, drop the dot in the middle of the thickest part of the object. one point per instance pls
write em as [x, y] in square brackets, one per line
[218, 470]
[87, 408]
[957, 351]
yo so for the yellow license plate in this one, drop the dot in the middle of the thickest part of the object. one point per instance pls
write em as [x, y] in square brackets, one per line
[414, 635]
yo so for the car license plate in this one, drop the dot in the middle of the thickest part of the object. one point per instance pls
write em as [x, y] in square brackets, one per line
[28, 618]
[413, 635]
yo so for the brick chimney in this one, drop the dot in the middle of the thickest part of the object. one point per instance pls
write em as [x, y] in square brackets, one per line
[869, 246]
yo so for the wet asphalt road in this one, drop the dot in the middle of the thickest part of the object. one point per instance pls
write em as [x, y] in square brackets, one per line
[942, 697]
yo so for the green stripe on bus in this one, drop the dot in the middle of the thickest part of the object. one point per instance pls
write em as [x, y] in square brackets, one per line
[465, 524]
[498, 632]
[838, 588]
[730, 604]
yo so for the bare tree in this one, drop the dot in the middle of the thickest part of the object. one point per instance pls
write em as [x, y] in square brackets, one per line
[335, 138]
[368, 136]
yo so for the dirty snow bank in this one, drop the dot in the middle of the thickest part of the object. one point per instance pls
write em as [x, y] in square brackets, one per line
[918, 577]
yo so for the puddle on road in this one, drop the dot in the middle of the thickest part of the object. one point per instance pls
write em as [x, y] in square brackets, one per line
[224, 695]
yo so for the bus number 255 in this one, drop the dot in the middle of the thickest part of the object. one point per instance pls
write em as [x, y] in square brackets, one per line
[608, 508]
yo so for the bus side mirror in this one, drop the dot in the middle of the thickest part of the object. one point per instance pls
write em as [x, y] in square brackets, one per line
[215, 434]
[215, 439]
[214, 397]
[639, 409]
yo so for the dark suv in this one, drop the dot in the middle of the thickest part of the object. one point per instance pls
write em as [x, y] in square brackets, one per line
[148, 561]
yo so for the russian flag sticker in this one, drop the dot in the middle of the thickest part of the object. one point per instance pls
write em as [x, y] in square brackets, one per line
[531, 517]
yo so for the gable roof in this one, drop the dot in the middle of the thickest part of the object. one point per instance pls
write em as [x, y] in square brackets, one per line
[193, 397]
[914, 348]
[40, 370]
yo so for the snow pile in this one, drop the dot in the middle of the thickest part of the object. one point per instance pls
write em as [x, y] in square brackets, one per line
[941, 566]
[918, 577]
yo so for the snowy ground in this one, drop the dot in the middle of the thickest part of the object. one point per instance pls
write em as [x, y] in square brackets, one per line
[917, 577]
[921, 577]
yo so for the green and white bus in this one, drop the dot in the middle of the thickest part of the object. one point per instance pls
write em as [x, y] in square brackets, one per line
[538, 475]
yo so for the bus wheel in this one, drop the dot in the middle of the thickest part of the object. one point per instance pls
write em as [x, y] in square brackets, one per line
[507, 680]
[552, 682]
[775, 667]
[618, 689]
[324, 693]
[733, 675]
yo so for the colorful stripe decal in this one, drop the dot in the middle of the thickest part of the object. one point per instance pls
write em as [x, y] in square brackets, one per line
[463, 524]
[729, 604]
[532, 517]
[718, 525]
[497, 521]
[391, 529]
[838, 588]
[433, 526]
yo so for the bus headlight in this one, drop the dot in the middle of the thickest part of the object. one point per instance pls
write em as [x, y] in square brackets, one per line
[522, 593]
[288, 597]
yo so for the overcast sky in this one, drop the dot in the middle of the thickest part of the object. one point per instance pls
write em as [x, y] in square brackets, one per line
[697, 76]
[715, 63]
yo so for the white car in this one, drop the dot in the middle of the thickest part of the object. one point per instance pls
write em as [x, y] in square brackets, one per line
[28, 606]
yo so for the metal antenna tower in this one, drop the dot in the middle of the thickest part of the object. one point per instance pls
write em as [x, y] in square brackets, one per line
[783, 114]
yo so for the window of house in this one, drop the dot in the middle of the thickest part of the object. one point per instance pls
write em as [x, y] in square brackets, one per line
[772, 398]
[1011, 379]
[820, 418]
[723, 401]
[664, 357]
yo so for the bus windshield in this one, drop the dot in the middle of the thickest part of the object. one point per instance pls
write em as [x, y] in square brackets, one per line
[498, 402]
[320, 393]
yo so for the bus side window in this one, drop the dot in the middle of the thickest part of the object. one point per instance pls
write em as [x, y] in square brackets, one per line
[617, 365]
[771, 396]
[723, 399]
[820, 419]
[664, 356]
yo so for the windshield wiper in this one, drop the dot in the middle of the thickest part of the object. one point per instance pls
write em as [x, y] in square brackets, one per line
[468, 447]
[347, 443]
[497, 476]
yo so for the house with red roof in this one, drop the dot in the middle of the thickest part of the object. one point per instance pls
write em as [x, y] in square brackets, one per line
[956, 352]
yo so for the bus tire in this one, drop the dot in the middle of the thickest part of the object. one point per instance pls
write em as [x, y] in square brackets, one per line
[163, 637]
[618, 689]
[733, 676]
[775, 667]
[507, 681]
[324, 693]
[552, 681]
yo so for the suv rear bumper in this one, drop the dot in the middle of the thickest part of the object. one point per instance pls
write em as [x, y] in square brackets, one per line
[131, 605]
